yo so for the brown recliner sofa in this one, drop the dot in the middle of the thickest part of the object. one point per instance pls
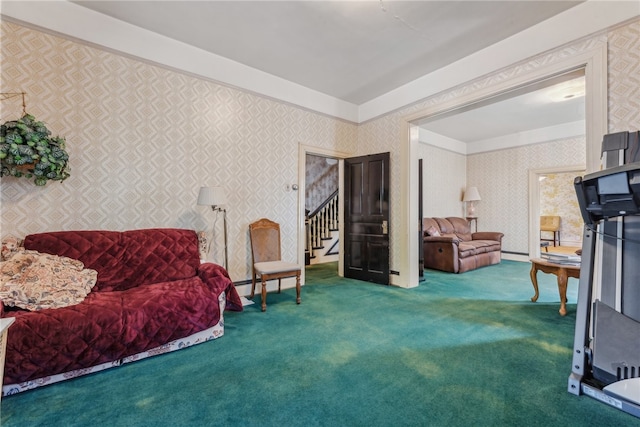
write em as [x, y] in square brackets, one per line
[449, 245]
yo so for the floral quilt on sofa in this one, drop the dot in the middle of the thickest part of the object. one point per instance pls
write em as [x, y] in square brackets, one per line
[35, 281]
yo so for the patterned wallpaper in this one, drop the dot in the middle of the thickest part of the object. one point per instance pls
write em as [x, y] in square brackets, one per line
[143, 139]
[558, 197]
[502, 178]
[624, 78]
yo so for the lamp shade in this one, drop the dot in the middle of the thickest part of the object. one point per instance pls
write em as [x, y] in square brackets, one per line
[212, 196]
[471, 195]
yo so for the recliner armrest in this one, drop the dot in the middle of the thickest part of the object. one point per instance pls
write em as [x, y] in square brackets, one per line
[441, 239]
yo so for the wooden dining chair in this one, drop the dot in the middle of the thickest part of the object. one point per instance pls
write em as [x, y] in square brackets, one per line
[266, 258]
[550, 224]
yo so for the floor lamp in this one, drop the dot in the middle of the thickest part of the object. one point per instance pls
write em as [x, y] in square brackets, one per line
[214, 197]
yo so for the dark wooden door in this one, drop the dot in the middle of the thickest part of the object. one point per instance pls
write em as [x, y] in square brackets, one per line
[366, 212]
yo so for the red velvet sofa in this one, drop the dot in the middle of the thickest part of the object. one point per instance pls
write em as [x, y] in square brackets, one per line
[152, 296]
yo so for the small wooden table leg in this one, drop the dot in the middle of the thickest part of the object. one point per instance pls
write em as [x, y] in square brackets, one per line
[562, 272]
[298, 288]
[562, 290]
[534, 280]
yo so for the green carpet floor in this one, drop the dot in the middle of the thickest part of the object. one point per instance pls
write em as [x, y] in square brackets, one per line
[459, 350]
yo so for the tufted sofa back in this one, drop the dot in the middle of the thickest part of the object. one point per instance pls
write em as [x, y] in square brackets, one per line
[125, 259]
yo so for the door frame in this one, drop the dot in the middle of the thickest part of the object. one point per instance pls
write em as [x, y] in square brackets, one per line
[534, 202]
[303, 150]
[594, 62]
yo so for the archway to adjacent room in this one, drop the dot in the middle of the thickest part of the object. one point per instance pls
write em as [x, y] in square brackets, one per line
[594, 62]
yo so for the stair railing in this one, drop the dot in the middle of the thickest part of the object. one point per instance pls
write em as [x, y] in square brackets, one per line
[321, 222]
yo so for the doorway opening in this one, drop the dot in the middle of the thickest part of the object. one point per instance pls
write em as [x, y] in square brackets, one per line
[324, 154]
[498, 141]
[321, 209]
[551, 193]
[594, 63]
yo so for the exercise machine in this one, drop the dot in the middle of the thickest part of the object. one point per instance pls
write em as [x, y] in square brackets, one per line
[606, 351]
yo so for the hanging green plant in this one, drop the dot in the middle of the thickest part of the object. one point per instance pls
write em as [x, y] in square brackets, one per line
[27, 150]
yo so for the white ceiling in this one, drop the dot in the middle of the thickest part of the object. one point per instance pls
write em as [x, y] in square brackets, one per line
[555, 101]
[351, 50]
[356, 51]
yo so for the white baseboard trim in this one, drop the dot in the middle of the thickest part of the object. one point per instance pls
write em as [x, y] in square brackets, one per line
[515, 257]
